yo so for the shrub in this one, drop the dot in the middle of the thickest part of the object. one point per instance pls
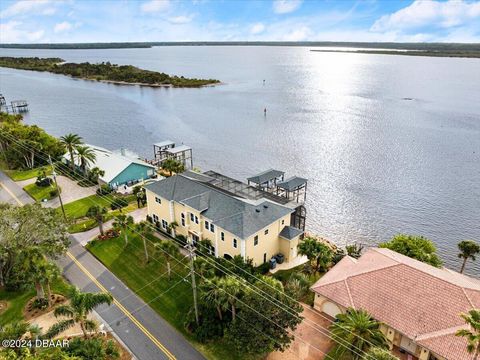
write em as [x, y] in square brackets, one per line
[263, 269]
[149, 219]
[180, 239]
[43, 181]
[53, 193]
[41, 303]
[104, 190]
[118, 203]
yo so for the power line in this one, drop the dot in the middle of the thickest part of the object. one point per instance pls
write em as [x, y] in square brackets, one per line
[280, 306]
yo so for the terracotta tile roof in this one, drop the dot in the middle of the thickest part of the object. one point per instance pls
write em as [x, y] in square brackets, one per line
[418, 300]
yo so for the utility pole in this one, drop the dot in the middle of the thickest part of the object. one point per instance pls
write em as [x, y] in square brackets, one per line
[191, 254]
[56, 185]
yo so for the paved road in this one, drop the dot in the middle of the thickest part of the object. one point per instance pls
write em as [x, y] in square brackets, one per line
[12, 193]
[142, 330]
[155, 338]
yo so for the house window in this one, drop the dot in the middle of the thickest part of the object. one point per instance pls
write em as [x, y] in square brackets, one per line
[155, 218]
[283, 222]
[207, 225]
[164, 224]
[222, 236]
[255, 240]
[266, 232]
[196, 219]
[183, 219]
[212, 227]
[235, 243]
[192, 217]
[158, 200]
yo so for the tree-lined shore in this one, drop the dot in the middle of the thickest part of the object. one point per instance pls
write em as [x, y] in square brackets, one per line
[105, 71]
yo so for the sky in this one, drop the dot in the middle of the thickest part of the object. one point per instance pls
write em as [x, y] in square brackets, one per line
[49, 21]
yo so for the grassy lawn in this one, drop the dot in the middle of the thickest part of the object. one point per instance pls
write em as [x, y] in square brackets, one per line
[78, 209]
[82, 223]
[19, 175]
[40, 192]
[18, 299]
[128, 264]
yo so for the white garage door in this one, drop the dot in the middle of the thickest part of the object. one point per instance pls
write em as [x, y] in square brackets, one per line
[331, 309]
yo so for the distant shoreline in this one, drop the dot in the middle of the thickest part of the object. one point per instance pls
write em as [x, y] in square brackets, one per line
[467, 54]
[438, 47]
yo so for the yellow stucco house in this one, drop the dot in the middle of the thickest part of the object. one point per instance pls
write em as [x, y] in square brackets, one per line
[254, 226]
[418, 305]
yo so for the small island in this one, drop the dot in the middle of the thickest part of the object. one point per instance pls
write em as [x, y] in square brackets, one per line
[105, 71]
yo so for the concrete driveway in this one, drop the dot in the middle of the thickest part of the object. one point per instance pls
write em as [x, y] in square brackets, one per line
[312, 339]
[71, 191]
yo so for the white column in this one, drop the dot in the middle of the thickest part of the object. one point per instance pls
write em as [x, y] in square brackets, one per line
[242, 248]
[172, 216]
[216, 241]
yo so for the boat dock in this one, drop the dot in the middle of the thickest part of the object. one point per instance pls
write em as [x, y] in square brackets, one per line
[15, 106]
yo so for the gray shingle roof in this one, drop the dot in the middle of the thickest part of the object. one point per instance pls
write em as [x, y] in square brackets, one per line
[237, 216]
[265, 176]
[290, 232]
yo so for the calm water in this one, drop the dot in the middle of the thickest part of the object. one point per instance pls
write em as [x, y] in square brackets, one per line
[377, 163]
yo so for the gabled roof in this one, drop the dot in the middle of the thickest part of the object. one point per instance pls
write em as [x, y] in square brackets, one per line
[290, 232]
[418, 300]
[237, 216]
[113, 163]
[265, 176]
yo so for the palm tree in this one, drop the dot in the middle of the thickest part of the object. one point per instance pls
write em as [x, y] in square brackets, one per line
[71, 141]
[81, 304]
[122, 222]
[319, 254]
[96, 173]
[212, 294]
[145, 229]
[232, 289]
[297, 285]
[173, 166]
[169, 251]
[18, 330]
[86, 156]
[356, 332]
[51, 272]
[97, 213]
[203, 267]
[468, 250]
[472, 334]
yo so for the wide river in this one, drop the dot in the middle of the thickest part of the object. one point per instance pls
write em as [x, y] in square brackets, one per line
[389, 144]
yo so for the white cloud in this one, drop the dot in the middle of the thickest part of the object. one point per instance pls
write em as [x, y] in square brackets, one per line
[429, 13]
[23, 7]
[300, 34]
[155, 5]
[10, 32]
[63, 26]
[182, 19]
[49, 11]
[257, 28]
[286, 6]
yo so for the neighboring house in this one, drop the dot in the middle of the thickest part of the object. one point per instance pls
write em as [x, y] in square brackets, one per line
[418, 305]
[121, 167]
[253, 228]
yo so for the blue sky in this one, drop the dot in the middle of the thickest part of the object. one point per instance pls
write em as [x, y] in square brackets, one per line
[229, 20]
